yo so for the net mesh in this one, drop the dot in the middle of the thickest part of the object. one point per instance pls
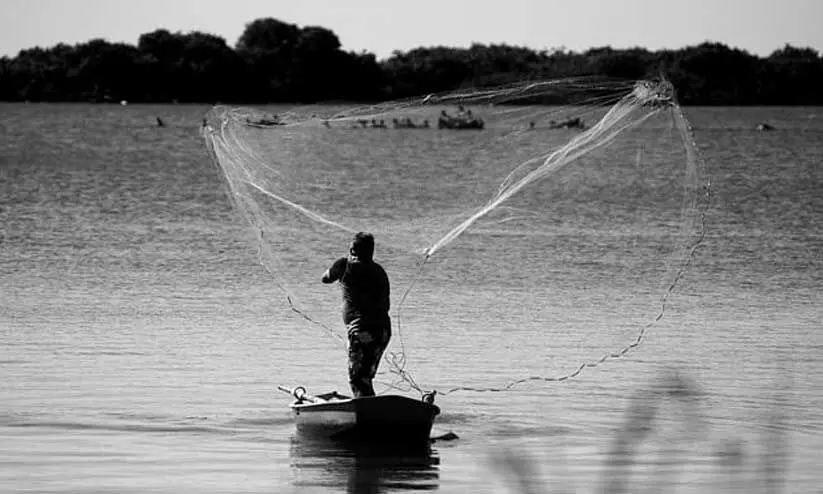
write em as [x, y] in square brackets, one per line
[504, 216]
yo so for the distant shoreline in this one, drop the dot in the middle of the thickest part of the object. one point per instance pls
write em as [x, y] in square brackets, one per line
[275, 62]
[321, 103]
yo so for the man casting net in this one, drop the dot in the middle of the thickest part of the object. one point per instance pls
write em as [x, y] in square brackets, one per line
[543, 224]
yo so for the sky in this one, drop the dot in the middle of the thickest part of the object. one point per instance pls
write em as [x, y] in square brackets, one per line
[382, 26]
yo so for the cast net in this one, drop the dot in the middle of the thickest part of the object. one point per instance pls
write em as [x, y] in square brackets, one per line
[529, 231]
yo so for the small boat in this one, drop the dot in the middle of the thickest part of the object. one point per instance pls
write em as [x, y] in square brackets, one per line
[272, 121]
[447, 122]
[407, 123]
[463, 120]
[569, 123]
[388, 419]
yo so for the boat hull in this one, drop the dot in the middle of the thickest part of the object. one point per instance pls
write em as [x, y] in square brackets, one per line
[460, 124]
[388, 419]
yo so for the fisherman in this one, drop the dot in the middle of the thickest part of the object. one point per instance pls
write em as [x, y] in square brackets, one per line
[365, 287]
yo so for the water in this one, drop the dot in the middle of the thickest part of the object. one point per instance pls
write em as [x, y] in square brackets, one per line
[142, 342]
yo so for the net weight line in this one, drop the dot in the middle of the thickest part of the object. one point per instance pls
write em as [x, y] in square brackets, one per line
[687, 133]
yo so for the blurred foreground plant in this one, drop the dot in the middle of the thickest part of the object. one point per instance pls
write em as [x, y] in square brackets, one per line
[642, 420]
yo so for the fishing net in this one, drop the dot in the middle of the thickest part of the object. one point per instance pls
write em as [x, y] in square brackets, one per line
[543, 224]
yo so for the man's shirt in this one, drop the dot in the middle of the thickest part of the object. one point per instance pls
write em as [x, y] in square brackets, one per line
[365, 290]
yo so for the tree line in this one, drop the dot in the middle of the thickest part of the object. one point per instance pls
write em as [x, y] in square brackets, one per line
[278, 62]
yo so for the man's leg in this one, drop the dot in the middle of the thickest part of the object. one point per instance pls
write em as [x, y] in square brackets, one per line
[359, 365]
[380, 344]
[366, 346]
[372, 353]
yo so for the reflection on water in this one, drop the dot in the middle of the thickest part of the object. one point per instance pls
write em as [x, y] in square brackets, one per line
[362, 468]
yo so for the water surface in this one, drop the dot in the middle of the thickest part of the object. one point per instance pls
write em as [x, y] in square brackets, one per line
[142, 342]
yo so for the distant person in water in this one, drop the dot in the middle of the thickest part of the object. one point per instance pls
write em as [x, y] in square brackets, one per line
[365, 286]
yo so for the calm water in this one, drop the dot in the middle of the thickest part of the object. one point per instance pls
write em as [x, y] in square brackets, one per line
[142, 342]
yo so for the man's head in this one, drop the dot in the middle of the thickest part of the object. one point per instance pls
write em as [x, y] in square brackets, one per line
[362, 246]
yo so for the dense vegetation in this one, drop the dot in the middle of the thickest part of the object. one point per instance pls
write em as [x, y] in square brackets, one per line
[274, 61]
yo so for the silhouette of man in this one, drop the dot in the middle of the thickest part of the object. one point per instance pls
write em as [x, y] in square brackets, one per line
[365, 287]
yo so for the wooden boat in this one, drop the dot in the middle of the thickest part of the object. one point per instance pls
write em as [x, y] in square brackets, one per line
[388, 419]
[447, 122]
[569, 123]
[265, 122]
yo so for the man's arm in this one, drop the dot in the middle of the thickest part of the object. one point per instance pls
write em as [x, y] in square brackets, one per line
[335, 271]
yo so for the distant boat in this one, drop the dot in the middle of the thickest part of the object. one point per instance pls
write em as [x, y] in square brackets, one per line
[265, 122]
[391, 419]
[446, 121]
[407, 123]
[569, 123]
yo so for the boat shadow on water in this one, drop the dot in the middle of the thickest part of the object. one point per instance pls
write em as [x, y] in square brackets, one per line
[363, 466]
